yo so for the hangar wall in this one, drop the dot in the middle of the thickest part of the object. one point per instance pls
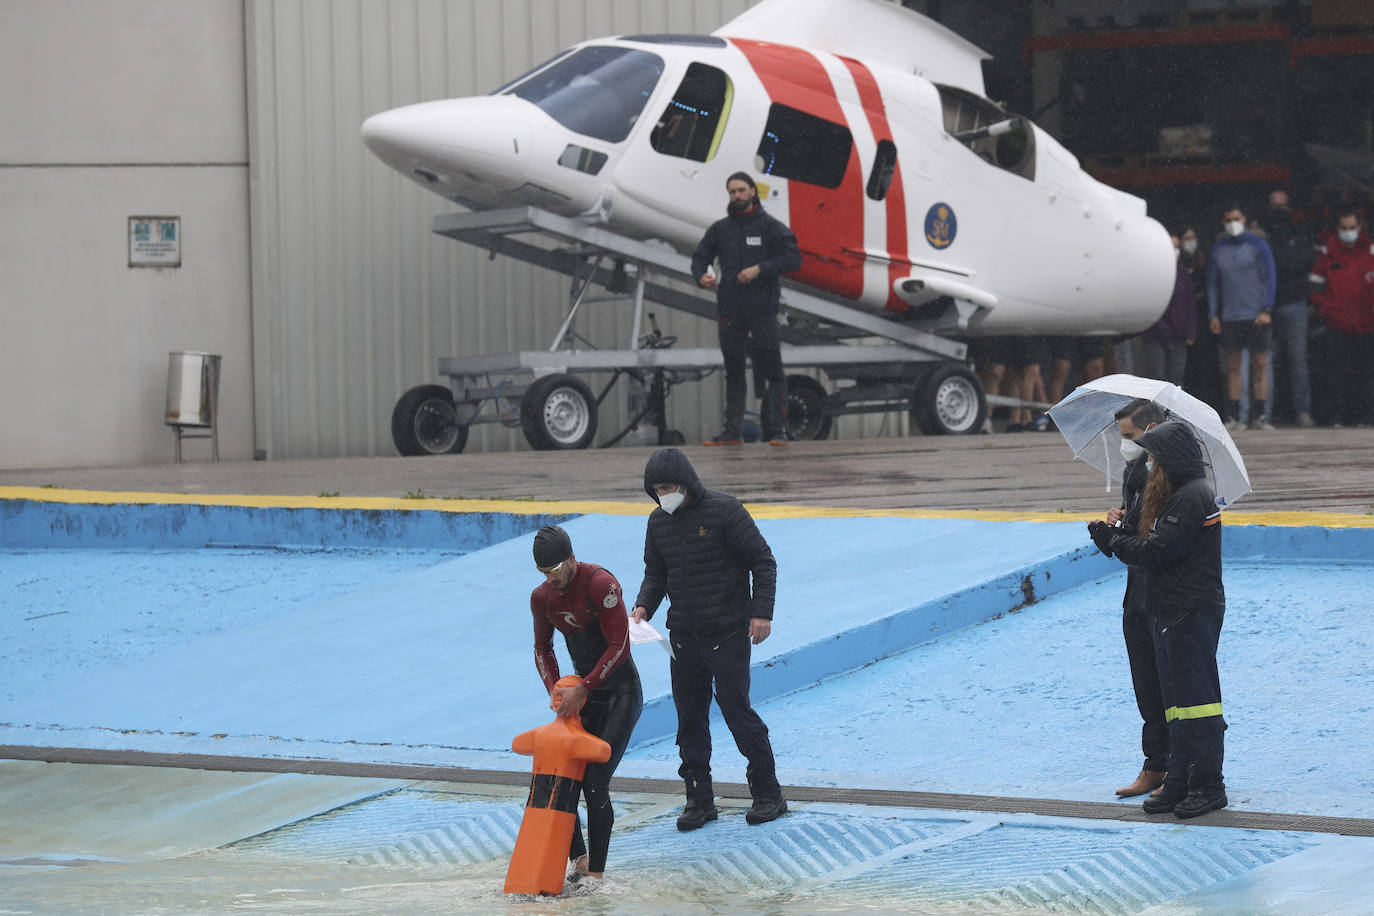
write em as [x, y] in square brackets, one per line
[355, 300]
[111, 111]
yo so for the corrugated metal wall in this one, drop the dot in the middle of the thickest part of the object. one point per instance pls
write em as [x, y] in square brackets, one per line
[354, 299]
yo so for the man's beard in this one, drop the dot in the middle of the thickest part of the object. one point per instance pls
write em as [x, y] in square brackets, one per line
[739, 206]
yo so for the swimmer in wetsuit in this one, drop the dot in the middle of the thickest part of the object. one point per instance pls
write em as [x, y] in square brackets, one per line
[585, 603]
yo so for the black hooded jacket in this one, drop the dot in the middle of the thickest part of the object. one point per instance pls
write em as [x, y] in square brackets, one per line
[1182, 555]
[744, 240]
[702, 556]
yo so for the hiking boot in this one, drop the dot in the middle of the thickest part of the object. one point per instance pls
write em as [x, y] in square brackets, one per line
[1165, 801]
[725, 438]
[766, 809]
[779, 439]
[1147, 781]
[1198, 803]
[695, 815]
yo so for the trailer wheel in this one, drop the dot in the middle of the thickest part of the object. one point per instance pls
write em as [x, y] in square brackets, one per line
[805, 415]
[425, 422]
[949, 402]
[558, 412]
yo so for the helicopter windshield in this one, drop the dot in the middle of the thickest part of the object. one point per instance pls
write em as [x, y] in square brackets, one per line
[598, 91]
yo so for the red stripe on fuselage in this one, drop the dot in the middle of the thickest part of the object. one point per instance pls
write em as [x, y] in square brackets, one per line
[825, 220]
[871, 97]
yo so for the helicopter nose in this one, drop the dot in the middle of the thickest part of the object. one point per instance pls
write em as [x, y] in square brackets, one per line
[454, 140]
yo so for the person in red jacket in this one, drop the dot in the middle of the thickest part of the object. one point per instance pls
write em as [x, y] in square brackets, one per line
[1344, 297]
[586, 604]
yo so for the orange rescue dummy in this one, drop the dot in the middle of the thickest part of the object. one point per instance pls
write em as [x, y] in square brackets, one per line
[562, 749]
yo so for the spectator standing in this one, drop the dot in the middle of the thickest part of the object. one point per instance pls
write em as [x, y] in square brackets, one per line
[1291, 244]
[754, 250]
[1165, 345]
[1240, 300]
[701, 551]
[1202, 378]
[1344, 277]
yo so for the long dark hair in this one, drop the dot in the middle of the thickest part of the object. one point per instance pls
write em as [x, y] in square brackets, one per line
[1158, 492]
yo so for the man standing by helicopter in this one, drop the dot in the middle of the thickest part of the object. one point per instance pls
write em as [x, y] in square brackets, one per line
[753, 249]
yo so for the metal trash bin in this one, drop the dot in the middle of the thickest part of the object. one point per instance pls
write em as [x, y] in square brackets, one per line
[193, 397]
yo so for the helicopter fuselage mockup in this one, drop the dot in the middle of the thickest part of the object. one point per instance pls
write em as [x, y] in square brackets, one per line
[867, 130]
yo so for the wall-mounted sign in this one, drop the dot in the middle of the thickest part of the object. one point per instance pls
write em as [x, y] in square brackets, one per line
[154, 241]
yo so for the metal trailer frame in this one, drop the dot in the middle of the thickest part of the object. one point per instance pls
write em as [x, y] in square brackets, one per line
[910, 369]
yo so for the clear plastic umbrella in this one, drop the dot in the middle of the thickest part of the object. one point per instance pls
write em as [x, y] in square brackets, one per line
[1087, 420]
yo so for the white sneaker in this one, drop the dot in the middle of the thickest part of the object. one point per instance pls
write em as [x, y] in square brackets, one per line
[1305, 420]
[1261, 423]
[1233, 425]
[987, 426]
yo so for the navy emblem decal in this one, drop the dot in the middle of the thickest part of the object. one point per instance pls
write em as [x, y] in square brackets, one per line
[941, 225]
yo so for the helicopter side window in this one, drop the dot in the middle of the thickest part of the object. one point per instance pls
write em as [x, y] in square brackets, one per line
[598, 91]
[884, 165]
[694, 120]
[998, 137]
[802, 147]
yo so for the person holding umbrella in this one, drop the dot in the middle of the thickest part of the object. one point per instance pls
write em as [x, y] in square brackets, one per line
[1133, 421]
[1178, 544]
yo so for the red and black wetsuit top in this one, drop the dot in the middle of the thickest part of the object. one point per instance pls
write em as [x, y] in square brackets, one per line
[591, 615]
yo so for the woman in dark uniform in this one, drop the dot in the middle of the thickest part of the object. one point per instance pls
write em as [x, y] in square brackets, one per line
[1178, 544]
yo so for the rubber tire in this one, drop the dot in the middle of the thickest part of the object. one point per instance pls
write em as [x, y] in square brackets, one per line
[558, 412]
[805, 398]
[425, 422]
[949, 401]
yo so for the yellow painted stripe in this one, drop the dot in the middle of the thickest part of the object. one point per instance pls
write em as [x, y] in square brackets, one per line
[1192, 712]
[636, 507]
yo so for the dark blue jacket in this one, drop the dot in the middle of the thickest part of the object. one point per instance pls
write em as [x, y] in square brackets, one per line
[1132, 496]
[1182, 555]
[703, 555]
[742, 240]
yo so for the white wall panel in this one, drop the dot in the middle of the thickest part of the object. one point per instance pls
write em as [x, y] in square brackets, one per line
[112, 110]
[355, 300]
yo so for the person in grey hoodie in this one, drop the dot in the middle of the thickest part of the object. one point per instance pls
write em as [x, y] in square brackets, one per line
[1241, 284]
[701, 550]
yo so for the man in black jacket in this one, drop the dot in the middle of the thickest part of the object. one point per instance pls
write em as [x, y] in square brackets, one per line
[1178, 543]
[701, 549]
[1132, 421]
[754, 249]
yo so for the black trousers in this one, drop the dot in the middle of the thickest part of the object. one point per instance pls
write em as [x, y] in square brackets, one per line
[1186, 652]
[1349, 364]
[754, 335]
[1138, 629]
[722, 661]
[610, 713]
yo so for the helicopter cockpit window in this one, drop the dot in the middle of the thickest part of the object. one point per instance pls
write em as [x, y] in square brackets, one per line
[598, 91]
[997, 136]
[694, 121]
[802, 147]
[884, 165]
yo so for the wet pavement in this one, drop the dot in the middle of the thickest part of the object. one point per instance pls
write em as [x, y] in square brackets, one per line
[1306, 470]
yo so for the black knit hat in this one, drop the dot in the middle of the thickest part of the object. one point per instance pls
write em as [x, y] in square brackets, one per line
[551, 546]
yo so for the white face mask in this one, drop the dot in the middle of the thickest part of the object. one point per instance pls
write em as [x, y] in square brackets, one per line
[1349, 235]
[670, 502]
[1190, 246]
[1149, 464]
[1130, 451]
[1235, 227]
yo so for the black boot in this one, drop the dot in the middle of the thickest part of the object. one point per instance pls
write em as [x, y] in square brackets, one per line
[766, 809]
[1199, 802]
[696, 814]
[1168, 798]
